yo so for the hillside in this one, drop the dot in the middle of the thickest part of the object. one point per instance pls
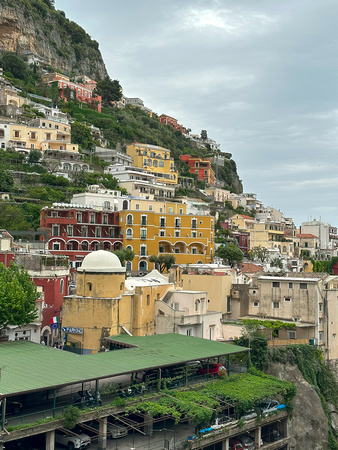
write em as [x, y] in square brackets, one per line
[35, 26]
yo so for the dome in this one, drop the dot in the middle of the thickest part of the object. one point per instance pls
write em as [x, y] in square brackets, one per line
[101, 261]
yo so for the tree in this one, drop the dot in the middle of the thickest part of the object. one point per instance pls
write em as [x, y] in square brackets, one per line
[17, 297]
[259, 253]
[163, 261]
[204, 135]
[110, 90]
[277, 262]
[82, 135]
[124, 255]
[79, 178]
[231, 253]
[6, 180]
[34, 156]
[14, 64]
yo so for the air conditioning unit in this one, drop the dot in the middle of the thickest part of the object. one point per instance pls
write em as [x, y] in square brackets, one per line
[3, 332]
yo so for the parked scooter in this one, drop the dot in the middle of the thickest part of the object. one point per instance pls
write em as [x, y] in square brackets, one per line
[87, 399]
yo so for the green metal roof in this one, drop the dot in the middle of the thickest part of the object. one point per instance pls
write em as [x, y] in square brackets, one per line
[26, 366]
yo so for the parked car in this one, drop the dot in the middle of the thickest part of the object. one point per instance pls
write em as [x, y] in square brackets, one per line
[72, 441]
[251, 414]
[243, 442]
[270, 405]
[214, 369]
[115, 428]
[221, 422]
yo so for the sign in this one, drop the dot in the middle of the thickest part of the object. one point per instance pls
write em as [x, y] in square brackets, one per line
[72, 330]
[54, 326]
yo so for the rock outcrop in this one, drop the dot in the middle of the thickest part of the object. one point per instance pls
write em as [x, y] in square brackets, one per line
[308, 425]
[35, 26]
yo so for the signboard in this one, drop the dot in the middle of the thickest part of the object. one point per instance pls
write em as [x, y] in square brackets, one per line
[72, 330]
[54, 326]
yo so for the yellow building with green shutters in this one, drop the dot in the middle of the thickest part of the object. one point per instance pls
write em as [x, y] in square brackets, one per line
[154, 159]
[190, 239]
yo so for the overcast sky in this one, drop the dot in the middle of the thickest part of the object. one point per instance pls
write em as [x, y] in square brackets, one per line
[260, 77]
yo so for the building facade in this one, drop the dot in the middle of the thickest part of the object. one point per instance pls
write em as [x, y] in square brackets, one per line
[201, 167]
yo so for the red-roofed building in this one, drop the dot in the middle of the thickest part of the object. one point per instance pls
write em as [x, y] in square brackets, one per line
[307, 243]
[172, 122]
[201, 167]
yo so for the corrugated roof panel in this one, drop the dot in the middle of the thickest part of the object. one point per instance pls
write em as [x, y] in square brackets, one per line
[26, 366]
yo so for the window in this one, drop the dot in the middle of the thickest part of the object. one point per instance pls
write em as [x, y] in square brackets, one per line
[98, 232]
[143, 220]
[320, 307]
[194, 234]
[161, 249]
[137, 206]
[92, 218]
[33, 135]
[193, 223]
[129, 219]
[177, 250]
[128, 265]
[292, 335]
[62, 282]
[181, 211]
[287, 299]
[290, 285]
[106, 205]
[70, 230]
[90, 286]
[302, 285]
[48, 136]
[171, 210]
[197, 303]
[189, 332]
[55, 230]
[194, 250]
[162, 233]
[275, 305]
[129, 233]
[275, 284]
[143, 250]
[256, 304]
[320, 321]
[2, 133]
[162, 222]
[105, 219]
[150, 207]
[177, 222]
[78, 217]
[321, 334]
[56, 246]
[16, 134]
[84, 231]
[177, 233]
[143, 233]
[125, 205]
[84, 246]
[148, 300]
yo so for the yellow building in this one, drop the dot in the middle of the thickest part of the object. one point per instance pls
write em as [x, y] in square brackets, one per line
[155, 160]
[243, 222]
[43, 135]
[158, 206]
[189, 238]
[269, 235]
[107, 304]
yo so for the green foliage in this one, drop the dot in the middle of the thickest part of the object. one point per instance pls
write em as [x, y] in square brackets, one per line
[13, 217]
[231, 253]
[203, 401]
[6, 181]
[15, 65]
[110, 90]
[34, 156]
[259, 253]
[70, 418]
[163, 261]
[277, 262]
[109, 181]
[81, 135]
[324, 266]
[311, 363]
[124, 255]
[259, 349]
[17, 297]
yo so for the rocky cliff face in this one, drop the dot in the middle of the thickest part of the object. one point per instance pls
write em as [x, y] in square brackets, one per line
[35, 26]
[308, 426]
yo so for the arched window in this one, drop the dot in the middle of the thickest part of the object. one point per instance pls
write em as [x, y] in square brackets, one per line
[125, 204]
[129, 219]
[161, 164]
[84, 246]
[106, 205]
[128, 265]
[143, 266]
[129, 233]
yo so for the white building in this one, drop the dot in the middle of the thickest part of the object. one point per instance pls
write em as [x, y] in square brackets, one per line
[319, 229]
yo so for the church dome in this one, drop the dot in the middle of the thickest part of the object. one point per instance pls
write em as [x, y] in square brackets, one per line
[101, 261]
